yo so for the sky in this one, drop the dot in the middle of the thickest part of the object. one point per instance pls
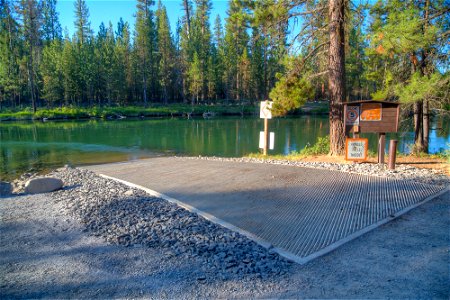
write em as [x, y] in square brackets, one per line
[111, 10]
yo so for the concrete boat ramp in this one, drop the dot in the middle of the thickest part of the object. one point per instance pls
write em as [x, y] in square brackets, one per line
[301, 212]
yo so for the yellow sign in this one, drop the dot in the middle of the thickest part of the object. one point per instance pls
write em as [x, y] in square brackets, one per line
[370, 112]
[356, 149]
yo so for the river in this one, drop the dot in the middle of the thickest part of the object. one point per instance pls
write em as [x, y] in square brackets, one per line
[35, 146]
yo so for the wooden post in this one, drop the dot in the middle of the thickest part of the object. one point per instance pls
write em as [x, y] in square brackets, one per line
[356, 132]
[392, 154]
[266, 136]
[381, 146]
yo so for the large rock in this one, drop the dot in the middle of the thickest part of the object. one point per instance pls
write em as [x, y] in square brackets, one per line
[43, 185]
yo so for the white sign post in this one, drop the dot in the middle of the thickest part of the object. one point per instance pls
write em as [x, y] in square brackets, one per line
[265, 112]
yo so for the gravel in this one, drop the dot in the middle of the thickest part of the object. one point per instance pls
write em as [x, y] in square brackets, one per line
[130, 217]
[403, 172]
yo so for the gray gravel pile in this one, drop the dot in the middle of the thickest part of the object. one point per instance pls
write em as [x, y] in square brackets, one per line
[404, 172]
[130, 217]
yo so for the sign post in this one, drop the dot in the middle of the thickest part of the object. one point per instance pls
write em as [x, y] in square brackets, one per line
[266, 136]
[266, 113]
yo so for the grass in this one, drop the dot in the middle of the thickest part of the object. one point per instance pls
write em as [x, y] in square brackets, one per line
[126, 111]
[321, 147]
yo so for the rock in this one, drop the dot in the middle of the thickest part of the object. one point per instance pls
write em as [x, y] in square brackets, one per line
[43, 185]
[5, 189]
[129, 193]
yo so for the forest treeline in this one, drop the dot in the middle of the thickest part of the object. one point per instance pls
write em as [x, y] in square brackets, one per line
[192, 63]
[288, 51]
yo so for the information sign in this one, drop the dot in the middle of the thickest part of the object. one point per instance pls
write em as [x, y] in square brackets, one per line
[265, 111]
[356, 149]
[352, 115]
[370, 111]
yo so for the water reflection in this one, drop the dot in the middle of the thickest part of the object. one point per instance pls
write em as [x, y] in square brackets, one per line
[26, 145]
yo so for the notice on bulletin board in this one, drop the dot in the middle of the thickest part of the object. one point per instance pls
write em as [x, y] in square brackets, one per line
[370, 112]
[356, 149]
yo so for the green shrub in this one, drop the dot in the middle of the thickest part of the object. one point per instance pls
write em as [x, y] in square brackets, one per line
[322, 146]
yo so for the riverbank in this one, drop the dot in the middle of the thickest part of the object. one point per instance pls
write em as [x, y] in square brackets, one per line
[98, 238]
[174, 110]
[155, 111]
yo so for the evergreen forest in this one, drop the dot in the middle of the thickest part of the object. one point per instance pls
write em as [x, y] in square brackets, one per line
[289, 51]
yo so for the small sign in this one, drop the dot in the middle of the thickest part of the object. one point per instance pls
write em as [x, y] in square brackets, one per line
[271, 140]
[370, 111]
[356, 149]
[352, 115]
[265, 111]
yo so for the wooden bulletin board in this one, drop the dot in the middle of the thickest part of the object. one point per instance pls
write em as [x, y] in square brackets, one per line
[374, 116]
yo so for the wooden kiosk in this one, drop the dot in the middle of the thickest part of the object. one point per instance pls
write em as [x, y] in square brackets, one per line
[372, 116]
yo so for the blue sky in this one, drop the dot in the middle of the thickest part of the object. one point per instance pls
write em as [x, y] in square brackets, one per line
[112, 10]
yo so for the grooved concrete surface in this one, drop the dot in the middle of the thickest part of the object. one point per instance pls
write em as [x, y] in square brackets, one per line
[299, 210]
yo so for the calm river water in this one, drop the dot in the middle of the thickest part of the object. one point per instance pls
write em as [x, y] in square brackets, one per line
[36, 146]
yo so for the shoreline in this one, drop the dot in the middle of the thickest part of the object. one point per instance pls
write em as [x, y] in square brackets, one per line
[136, 112]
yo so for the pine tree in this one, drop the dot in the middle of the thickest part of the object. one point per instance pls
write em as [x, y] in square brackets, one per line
[82, 24]
[123, 78]
[195, 79]
[258, 66]
[202, 39]
[236, 40]
[336, 75]
[357, 86]
[245, 75]
[217, 57]
[51, 28]
[70, 72]
[52, 72]
[10, 50]
[186, 49]
[145, 46]
[100, 66]
[32, 23]
[275, 16]
[407, 45]
[109, 61]
[84, 52]
[166, 52]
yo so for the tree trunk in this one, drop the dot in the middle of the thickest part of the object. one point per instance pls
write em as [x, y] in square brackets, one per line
[426, 125]
[418, 129]
[188, 18]
[144, 91]
[425, 105]
[336, 79]
[165, 96]
[31, 80]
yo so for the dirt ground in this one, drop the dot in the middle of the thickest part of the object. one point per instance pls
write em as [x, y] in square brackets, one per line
[419, 162]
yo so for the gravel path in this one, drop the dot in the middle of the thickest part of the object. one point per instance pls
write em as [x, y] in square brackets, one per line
[100, 239]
